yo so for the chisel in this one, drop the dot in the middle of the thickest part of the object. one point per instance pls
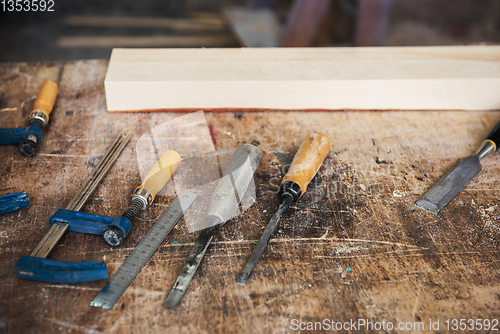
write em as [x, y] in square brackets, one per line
[459, 175]
[222, 207]
[143, 196]
[305, 165]
[28, 138]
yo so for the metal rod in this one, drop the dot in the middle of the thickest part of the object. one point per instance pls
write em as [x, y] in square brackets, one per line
[95, 178]
[58, 229]
[79, 197]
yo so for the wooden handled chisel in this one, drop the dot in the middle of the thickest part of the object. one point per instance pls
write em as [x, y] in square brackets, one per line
[222, 206]
[29, 138]
[143, 197]
[305, 165]
[459, 175]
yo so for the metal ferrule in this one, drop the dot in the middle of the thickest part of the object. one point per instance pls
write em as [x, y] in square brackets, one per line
[32, 137]
[486, 148]
[292, 188]
[37, 114]
[144, 196]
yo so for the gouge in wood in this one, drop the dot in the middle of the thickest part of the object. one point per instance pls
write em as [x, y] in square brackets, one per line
[459, 175]
[143, 196]
[305, 165]
[28, 138]
[222, 207]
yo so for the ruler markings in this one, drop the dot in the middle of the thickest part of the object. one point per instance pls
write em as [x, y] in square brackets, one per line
[131, 267]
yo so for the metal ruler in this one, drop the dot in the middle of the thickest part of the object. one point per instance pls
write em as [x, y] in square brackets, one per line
[127, 272]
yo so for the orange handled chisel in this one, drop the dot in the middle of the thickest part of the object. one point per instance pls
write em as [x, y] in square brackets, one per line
[305, 165]
[143, 196]
[28, 138]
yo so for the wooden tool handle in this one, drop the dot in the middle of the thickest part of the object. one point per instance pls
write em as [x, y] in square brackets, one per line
[308, 159]
[494, 136]
[161, 172]
[46, 98]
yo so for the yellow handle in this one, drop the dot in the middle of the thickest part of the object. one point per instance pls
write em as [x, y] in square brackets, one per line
[46, 98]
[308, 159]
[161, 172]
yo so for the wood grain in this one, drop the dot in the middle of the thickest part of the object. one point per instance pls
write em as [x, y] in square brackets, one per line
[409, 78]
[214, 40]
[184, 25]
[354, 246]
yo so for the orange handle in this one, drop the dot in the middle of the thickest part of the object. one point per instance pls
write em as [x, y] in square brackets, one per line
[308, 159]
[46, 98]
[161, 172]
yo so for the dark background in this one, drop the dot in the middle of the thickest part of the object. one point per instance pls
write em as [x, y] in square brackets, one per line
[37, 36]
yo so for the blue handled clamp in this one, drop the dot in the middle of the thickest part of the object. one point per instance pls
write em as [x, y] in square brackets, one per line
[47, 270]
[82, 222]
[13, 202]
[37, 267]
[28, 138]
[41, 269]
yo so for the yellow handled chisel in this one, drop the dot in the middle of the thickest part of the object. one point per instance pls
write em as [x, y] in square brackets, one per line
[305, 165]
[143, 196]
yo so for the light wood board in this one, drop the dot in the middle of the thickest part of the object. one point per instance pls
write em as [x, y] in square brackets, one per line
[401, 78]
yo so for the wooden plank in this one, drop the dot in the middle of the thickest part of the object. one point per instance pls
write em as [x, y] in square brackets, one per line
[406, 78]
[219, 40]
[373, 18]
[183, 25]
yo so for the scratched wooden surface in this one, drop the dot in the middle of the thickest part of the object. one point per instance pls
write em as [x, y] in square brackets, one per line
[355, 246]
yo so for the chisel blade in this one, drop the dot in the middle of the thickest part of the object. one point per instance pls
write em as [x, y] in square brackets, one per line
[181, 284]
[450, 184]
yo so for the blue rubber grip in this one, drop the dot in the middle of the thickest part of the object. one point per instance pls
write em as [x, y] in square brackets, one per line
[16, 135]
[123, 224]
[82, 222]
[13, 202]
[46, 270]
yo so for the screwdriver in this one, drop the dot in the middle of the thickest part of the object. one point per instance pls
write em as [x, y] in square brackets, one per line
[222, 207]
[305, 165]
[142, 197]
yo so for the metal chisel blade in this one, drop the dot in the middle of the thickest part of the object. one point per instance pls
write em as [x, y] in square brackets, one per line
[450, 184]
[127, 272]
[259, 249]
[187, 272]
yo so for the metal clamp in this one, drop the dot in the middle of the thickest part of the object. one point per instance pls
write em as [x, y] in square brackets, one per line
[144, 196]
[39, 115]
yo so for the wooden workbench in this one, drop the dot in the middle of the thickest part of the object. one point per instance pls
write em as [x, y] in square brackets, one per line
[354, 247]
